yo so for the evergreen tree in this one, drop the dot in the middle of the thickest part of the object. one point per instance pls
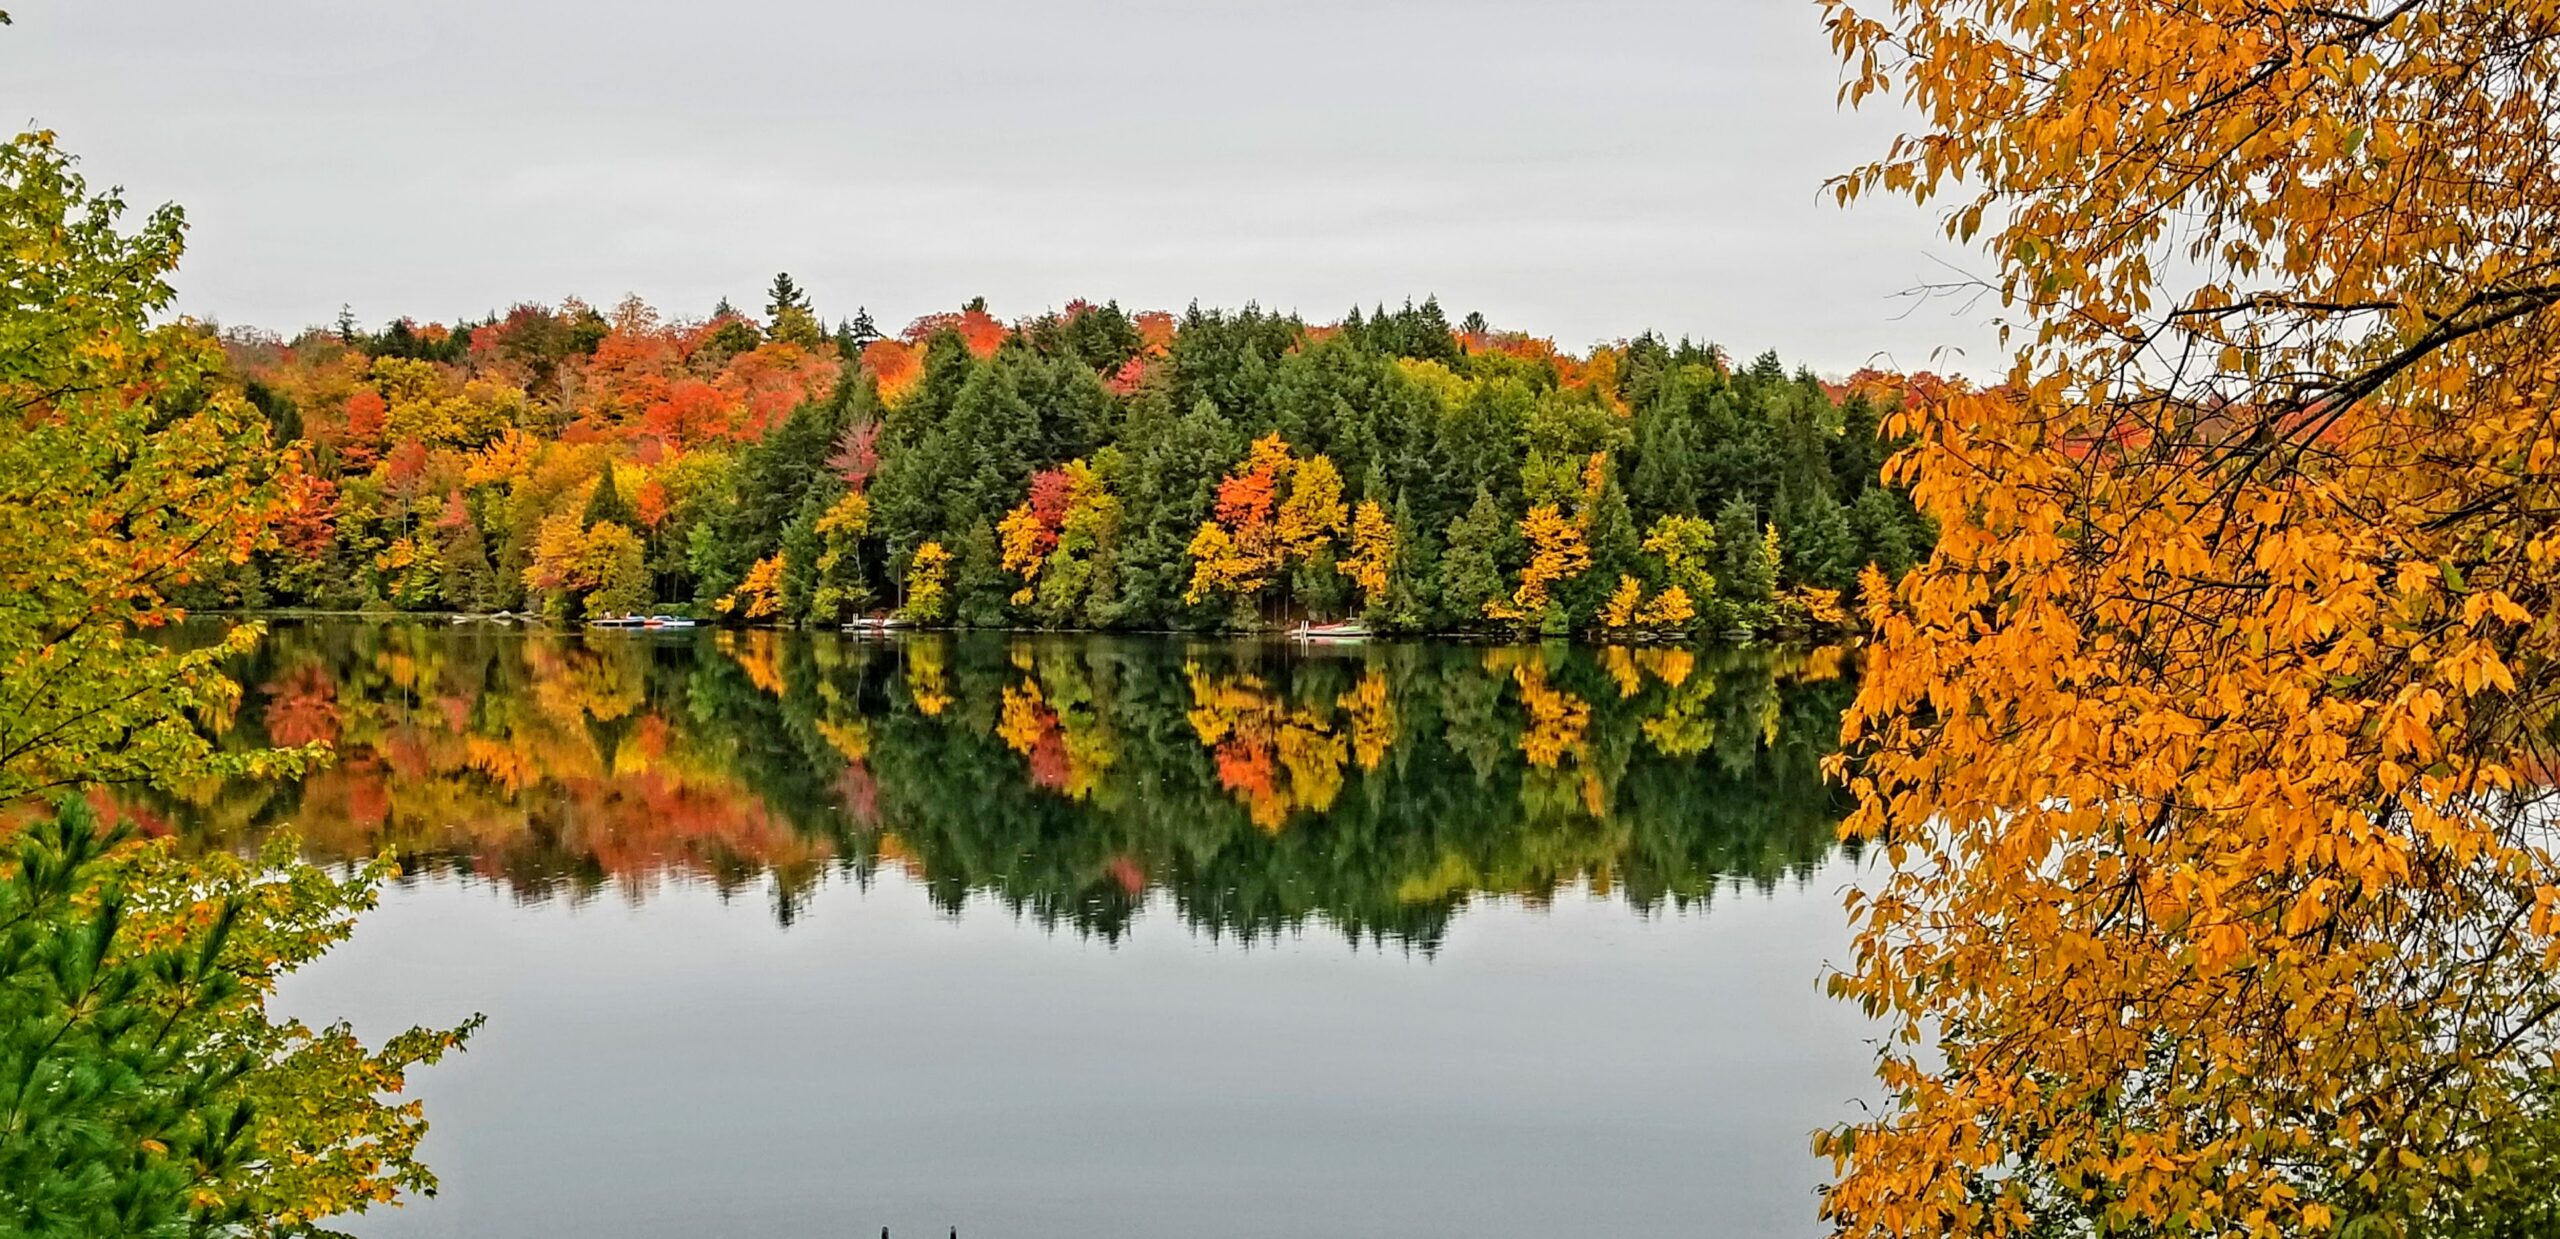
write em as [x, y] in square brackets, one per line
[979, 584]
[800, 548]
[1471, 569]
[784, 297]
[1174, 486]
[1617, 549]
[1822, 550]
[771, 478]
[1411, 594]
[607, 504]
[788, 316]
[1744, 574]
[1858, 454]
[1882, 531]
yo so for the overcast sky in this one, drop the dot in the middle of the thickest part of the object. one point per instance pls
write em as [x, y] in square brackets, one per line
[1583, 169]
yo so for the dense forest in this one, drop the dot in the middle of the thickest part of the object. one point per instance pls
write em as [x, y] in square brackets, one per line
[1088, 468]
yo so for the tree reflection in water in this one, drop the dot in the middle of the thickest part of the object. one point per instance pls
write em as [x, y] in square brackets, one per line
[1249, 786]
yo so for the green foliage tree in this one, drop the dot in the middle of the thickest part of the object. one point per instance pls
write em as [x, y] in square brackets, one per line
[150, 1092]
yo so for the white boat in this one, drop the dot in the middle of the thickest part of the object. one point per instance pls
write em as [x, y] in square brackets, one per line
[874, 623]
[1347, 630]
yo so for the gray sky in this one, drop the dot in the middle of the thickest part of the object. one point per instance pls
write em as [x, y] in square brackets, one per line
[1582, 170]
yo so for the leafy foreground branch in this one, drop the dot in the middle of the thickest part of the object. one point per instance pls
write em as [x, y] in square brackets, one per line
[144, 1088]
[2211, 753]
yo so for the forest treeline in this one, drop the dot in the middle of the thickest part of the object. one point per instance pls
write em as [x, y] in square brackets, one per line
[1086, 468]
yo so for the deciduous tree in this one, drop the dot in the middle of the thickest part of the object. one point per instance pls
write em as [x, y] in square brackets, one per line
[2210, 753]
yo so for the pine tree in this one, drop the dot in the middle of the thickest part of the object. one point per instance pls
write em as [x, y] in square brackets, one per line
[1821, 549]
[788, 316]
[979, 584]
[1410, 595]
[607, 504]
[1745, 575]
[784, 296]
[1471, 572]
[1617, 550]
[1880, 522]
[800, 549]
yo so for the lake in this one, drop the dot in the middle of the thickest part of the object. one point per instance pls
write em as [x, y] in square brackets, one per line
[806, 935]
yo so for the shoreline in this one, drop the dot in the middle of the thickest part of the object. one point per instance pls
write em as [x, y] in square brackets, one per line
[1463, 637]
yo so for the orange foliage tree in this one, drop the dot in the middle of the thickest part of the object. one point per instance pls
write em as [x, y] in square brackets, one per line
[2209, 753]
[1272, 511]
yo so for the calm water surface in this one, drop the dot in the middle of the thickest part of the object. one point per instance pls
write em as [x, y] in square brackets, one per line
[799, 935]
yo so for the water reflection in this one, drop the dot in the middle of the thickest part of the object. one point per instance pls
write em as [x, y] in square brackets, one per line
[1251, 787]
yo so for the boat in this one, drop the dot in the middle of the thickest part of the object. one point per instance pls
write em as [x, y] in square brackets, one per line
[668, 621]
[1346, 631]
[617, 621]
[874, 623]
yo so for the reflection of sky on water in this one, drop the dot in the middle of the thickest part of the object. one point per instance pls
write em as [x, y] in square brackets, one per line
[687, 1067]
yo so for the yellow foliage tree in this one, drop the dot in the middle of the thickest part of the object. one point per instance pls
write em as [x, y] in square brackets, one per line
[1624, 601]
[1024, 544]
[927, 583]
[1373, 552]
[760, 595]
[1257, 531]
[1556, 553]
[2208, 754]
[1313, 513]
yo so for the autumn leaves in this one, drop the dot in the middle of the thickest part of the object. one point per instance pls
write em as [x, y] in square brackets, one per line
[1277, 512]
[1274, 512]
[2211, 750]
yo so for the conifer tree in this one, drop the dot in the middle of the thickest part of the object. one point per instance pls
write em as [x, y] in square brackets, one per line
[1616, 551]
[607, 504]
[1471, 569]
[1745, 575]
[1821, 549]
[862, 331]
[788, 316]
[1881, 531]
